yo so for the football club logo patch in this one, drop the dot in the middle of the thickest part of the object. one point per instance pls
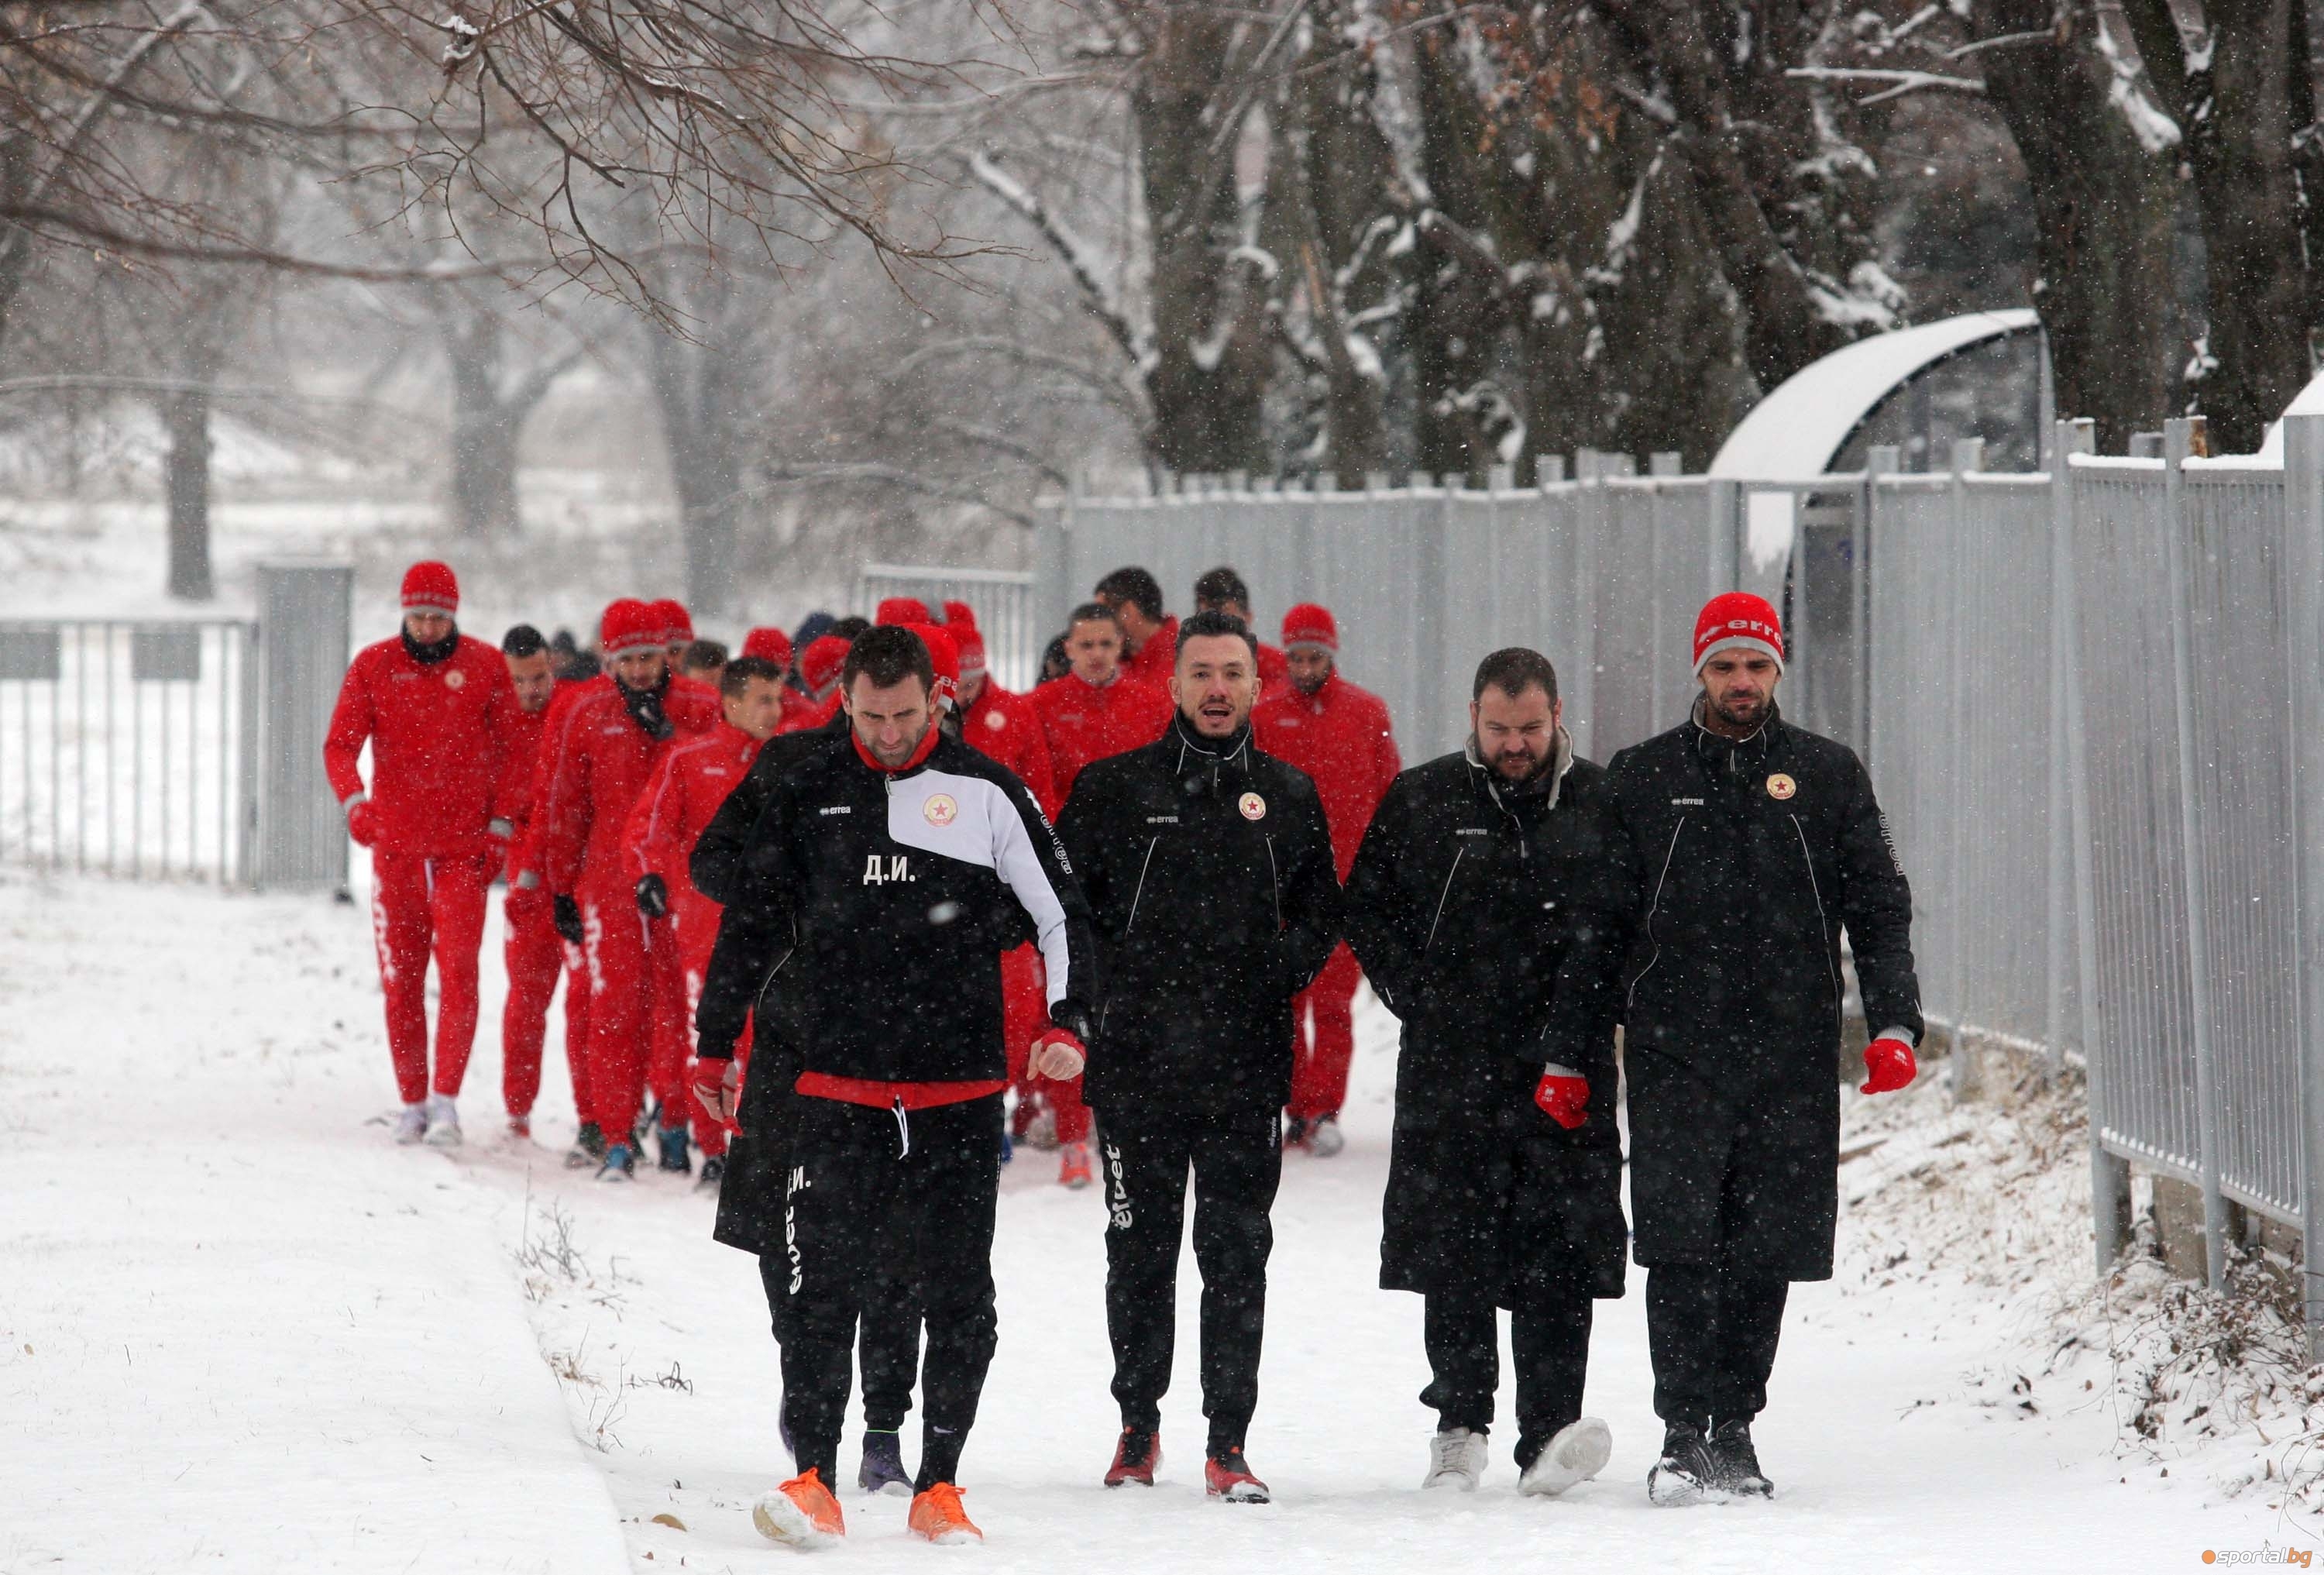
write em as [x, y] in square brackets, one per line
[454, 678]
[995, 720]
[1253, 806]
[1781, 786]
[940, 809]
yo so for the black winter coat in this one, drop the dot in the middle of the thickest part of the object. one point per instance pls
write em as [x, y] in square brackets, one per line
[1729, 871]
[1208, 869]
[1458, 909]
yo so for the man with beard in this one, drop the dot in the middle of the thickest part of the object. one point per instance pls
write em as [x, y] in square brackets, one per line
[1735, 850]
[907, 862]
[611, 743]
[1208, 867]
[1504, 1185]
[1341, 737]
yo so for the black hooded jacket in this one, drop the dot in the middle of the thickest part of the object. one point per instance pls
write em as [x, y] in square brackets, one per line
[1208, 869]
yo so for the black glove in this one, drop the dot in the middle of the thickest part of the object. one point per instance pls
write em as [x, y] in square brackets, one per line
[567, 918]
[653, 896]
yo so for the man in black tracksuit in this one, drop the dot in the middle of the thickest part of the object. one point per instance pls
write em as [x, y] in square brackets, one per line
[906, 863]
[1458, 908]
[1738, 848]
[1208, 868]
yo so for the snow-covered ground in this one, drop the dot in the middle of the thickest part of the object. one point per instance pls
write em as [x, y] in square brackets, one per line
[240, 1330]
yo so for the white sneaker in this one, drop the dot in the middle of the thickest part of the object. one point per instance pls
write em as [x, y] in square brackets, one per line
[1325, 1138]
[443, 1122]
[1579, 1452]
[411, 1125]
[1456, 1459]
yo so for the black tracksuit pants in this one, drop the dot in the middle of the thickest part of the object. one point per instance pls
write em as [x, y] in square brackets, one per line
[1549, 1344]
[887, 1343]
[872, 1193]
[1237, 1159]
[1711, 1330]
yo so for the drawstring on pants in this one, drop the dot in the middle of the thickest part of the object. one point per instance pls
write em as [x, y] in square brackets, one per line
[903, 1128]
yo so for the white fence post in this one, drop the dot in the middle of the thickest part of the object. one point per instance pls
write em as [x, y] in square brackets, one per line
[2303, 563]
[1968, 457]
[2178, 442]
[1590, 516]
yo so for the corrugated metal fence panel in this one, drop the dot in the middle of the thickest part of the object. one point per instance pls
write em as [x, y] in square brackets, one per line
[2146, 1102]
[2002, 805]
[304, 621]
[1003, 602]
[2233, 522]
[1913, 765]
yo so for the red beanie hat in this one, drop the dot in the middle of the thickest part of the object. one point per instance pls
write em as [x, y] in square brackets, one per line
[959, 615]
[969, 643]
[905, 610]
[820, 663]
[677, 625]
[768, 645]
[1309, 624]
[1738, 620]
[630, 625]
[430, 586]
[943, 655]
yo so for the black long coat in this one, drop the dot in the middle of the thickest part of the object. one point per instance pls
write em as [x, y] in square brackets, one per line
[1457, 908]
[1728, 873]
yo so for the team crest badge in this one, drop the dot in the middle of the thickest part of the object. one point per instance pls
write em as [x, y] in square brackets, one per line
[940, 809]
[1781, 786]
[454, 678]
[995, 720]
[1253, 806]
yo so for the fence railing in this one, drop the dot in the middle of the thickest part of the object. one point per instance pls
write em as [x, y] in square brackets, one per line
[2092, 701]
[1004, 604]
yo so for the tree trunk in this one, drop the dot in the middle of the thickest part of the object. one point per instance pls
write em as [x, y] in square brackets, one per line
[698, 391]
[2102, 207]
[2236, 111]
[187, 417]
[484, 494]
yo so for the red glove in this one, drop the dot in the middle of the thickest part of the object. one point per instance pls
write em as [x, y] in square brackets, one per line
[1058, 1055]
[1890, 1062]
[1564, 1096]
[718, 1089]
[360, 827]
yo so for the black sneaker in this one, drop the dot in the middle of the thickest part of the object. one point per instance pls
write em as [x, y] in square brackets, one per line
[1294, 1132]
[882, 1471]
[588, 1149]
[674, 1154]
[1686, 1473]
[1736, 1463]
[714, 1171]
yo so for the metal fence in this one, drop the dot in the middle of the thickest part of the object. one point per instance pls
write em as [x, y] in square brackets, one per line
[1004, 604]
[2089, 698]
[190, 749]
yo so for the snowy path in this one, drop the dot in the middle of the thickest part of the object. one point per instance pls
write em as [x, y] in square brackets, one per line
[239, 1331]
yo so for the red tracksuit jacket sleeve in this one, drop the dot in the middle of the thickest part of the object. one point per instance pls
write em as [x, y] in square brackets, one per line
[351, 724]
[512, 778]
[1033, 765]
[655, 840]
[564, 818]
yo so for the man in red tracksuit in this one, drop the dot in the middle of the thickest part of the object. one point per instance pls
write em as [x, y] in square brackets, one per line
[819, 664]
[436, 710]
[773, 646]
[669, 1048]
[532, 951]
[1149, 635]
[1341, 736]
[686, 792]
[613, 742]
[1222, 590]
[1098, 709]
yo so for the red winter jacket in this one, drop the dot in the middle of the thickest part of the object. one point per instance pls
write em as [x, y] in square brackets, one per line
[813, 714]
[605, 760]
[693, 781]
[441, 737]
[1005, 726]
[541, 767]
[1274, 671]
[1341, 737]
[1083, 723]
[1154, 660]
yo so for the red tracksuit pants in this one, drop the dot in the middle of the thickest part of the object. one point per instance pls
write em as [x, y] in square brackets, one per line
[535, 955]
[672, 1053]
[617, 949]
[697, 935]
[1323, 1038]
[1025, 1012]
[424, 907]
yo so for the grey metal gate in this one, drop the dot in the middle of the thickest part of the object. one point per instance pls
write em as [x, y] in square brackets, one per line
[305, 636]
[1003, 601]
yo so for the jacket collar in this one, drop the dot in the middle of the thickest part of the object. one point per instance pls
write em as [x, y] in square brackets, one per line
[1196, 752]
[1736, 754]
[928, 742]
[1561, 761]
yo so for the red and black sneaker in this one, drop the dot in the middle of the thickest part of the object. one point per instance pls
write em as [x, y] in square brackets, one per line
[1135, 1458]
[1227, 1475]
